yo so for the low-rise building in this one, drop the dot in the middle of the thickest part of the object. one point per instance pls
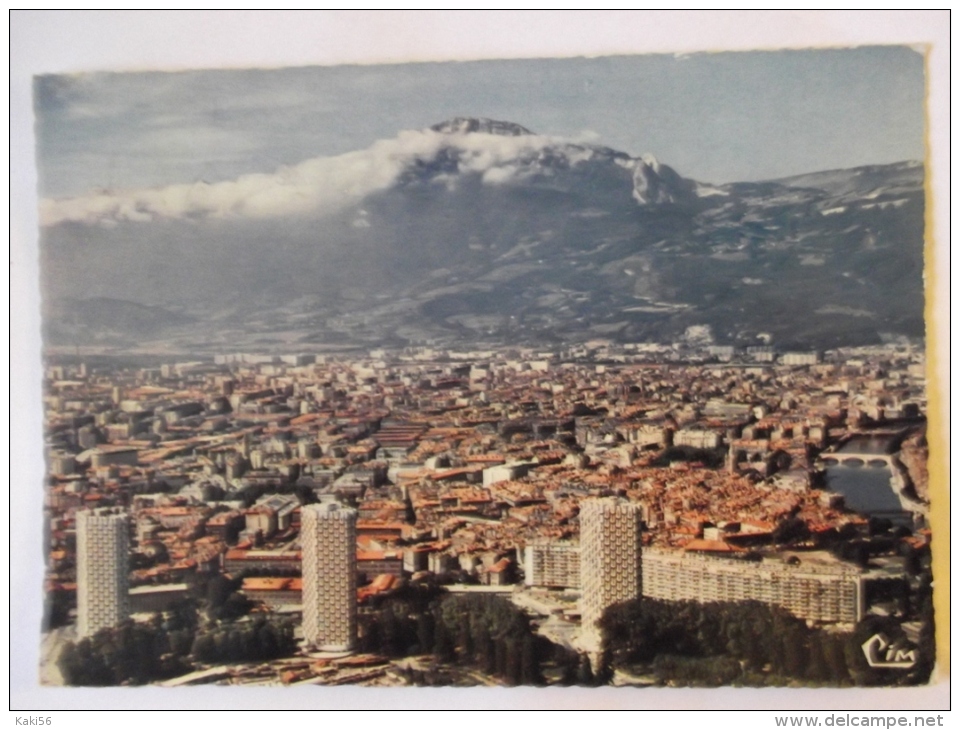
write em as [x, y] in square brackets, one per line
[552, 564]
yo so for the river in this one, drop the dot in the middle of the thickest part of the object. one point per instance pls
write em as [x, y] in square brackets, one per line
[867, 488]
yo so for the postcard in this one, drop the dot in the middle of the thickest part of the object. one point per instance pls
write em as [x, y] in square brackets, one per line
[606, 372]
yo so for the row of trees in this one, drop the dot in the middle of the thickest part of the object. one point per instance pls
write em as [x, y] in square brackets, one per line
[131, 653]
[396, 625]
[711, 458]
[688, 642]
[762, 641]
[207, 627]
[138, 653]
[480, 631]
[477, 631]
[491, 634]
[258, 640]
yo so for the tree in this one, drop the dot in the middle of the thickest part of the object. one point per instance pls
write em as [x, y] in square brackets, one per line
[219, 589]
[234, 607]
[56, 608]
[486, 651]
[204, 648]
[180, 642]
[878, 526]
[514, 670]
[529, 661]
[180, 614]
[585, 672]
[369, 639]
[795, 652]
[465, 641]
[500, 657]
[817, 669]
[390, 633]
[425, 631]
[443, 648]
[791, 530]
[834, 658]
[911, 562]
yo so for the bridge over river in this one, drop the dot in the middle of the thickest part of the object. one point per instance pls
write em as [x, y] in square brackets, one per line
[875, 450]
[865, 470]
[854, 459]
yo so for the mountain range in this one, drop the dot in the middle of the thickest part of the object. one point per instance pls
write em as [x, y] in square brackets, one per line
[477, 230]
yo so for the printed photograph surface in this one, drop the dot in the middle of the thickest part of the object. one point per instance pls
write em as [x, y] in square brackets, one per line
[547, 372]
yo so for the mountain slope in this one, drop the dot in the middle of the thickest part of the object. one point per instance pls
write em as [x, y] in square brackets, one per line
[481, 230]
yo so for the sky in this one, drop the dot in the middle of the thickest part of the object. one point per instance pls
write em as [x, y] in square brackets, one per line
[715, 117]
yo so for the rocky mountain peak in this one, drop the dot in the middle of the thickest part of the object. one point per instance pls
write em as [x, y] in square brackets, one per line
[482, 125]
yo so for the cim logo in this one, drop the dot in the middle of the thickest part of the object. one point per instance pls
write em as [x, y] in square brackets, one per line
[884, 654]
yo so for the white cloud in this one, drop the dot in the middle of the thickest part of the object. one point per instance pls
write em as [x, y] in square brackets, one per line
[500, 175]
[314, 187]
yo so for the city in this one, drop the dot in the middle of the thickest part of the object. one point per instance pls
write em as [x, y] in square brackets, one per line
[455, 516]
[435, 375]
